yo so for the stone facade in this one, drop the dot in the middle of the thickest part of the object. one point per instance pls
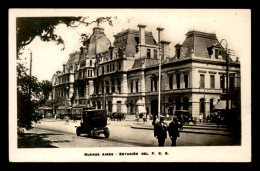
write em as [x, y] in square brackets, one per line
[125, 75]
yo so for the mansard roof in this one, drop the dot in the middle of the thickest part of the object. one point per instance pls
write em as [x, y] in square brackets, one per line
[200, 43]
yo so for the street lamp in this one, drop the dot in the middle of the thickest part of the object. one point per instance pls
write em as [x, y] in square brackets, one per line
[227, 71]
[159, 93]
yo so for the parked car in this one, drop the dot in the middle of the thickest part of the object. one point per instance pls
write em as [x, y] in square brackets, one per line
[93, 123]
[185, 117]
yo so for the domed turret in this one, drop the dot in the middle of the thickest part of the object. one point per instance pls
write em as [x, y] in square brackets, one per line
[98, 42]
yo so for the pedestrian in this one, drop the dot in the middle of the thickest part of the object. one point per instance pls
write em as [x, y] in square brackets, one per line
[173, 130]
[200, 118]
[218, 121]
[66, 120]
[154, 119]
[74, 118]
[208, 119]
[160, 131]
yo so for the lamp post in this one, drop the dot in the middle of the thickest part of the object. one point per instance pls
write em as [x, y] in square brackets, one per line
[159, 92]
[227, 72]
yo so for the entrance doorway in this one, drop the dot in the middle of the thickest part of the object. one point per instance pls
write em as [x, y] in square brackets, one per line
[154, 107]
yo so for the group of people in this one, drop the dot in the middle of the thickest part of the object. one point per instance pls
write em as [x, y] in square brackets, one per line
[161, 128]
[116, 116]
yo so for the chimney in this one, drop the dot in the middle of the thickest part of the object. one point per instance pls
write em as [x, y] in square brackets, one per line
[98, 30]
[141, 34]
[159, 34]
[64, 68]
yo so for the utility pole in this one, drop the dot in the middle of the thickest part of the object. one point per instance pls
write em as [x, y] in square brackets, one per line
[159, 93]
[227, 72]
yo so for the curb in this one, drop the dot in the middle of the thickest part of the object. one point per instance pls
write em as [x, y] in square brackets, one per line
[211, 133]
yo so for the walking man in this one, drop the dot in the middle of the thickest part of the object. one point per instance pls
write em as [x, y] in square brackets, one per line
[200, 117]
[173, 130]
[66, 120]
[160, 131]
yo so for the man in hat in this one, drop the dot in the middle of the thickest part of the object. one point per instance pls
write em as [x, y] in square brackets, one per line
[160, 131]
[173, 130]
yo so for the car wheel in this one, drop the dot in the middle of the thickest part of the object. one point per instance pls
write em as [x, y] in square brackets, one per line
[92, 133]
[106, 133]
[78, 132]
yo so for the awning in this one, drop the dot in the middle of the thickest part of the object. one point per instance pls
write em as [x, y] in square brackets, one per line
[140, 103]
[141, 109]
[222, 105]
[62, 107]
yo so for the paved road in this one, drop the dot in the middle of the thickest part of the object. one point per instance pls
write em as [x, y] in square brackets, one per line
[122, 135]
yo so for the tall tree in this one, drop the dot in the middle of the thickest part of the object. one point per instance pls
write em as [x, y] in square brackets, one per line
[25, 107]
[30, 27]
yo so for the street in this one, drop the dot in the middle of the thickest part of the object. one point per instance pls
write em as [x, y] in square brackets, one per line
[59, 135]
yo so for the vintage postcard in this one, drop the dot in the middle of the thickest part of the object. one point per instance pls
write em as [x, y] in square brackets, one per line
[129, 85]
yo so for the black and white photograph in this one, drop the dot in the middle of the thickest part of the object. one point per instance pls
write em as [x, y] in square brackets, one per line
[129, 85]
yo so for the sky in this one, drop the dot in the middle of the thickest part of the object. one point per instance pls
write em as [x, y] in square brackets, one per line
[234, 25]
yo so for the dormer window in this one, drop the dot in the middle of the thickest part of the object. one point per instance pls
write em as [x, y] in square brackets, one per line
[217, 53]
[178, 53]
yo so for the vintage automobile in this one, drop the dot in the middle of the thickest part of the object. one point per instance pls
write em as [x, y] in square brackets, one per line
[185, 117]
[93, 123]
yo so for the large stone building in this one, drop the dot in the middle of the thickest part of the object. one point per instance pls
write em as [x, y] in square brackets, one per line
[123, 77]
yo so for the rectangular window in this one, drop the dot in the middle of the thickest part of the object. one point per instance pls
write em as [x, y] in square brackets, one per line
[113, 86]
[155, 54]
[151, 85]
[222, 81]
[202, 81]
[136, 86]
[113, 67]
[103, 88]
[119, 66]
[231, 83]
[212, 81]
[155, 85]
[178, 81]
[149, 53]
[90, 63]
[170, 83]
[96, 89]
[131, 87]
[103, 70]
[119, 86]
[186, 80]
[107, 68]
[202, 105]
[211, 106]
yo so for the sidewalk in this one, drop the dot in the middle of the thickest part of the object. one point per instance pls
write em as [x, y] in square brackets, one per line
[203, 128]
[200, 128]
